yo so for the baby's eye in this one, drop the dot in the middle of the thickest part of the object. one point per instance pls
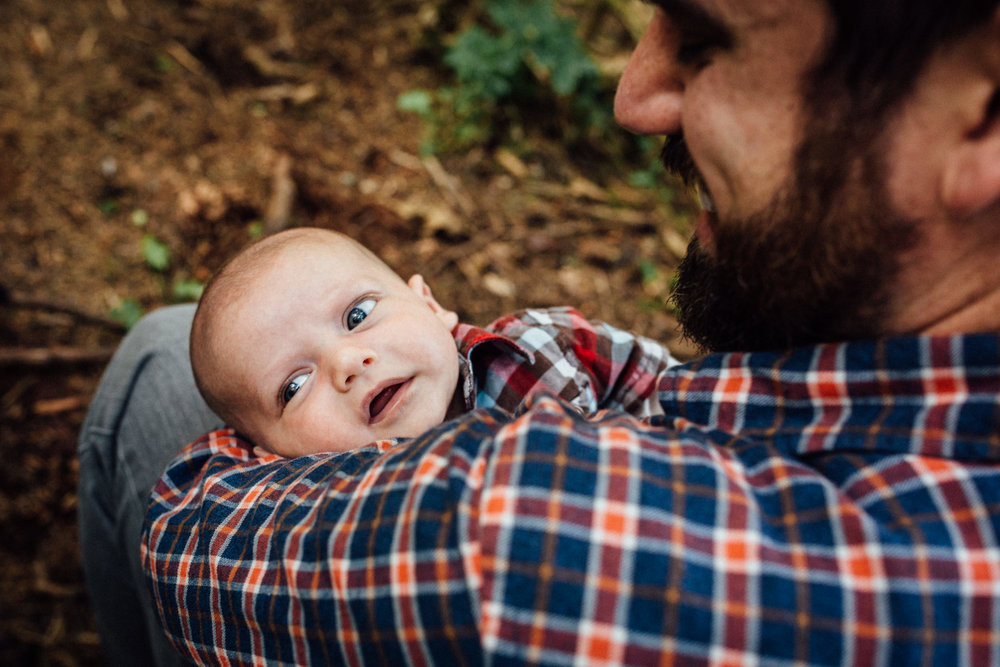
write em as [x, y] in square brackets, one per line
[289, 390]
[359, 312]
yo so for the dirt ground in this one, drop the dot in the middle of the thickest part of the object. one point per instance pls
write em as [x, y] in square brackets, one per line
[199, 121]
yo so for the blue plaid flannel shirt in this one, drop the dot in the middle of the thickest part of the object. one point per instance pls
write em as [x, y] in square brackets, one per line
[831, 505]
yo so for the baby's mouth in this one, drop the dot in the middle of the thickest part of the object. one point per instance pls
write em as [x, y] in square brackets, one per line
[381, 400]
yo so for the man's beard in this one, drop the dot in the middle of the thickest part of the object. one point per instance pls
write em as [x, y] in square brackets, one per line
[816, 266]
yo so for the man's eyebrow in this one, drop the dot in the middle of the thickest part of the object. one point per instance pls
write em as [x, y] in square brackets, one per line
[693, 19]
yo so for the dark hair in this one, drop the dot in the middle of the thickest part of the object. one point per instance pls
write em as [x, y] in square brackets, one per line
[879, 47]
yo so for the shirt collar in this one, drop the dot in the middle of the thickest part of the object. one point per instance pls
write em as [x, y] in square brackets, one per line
[477, 346]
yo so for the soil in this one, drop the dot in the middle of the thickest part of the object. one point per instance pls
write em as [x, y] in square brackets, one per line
[200, 122]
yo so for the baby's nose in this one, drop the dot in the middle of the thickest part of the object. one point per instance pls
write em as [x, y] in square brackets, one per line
[350, 362]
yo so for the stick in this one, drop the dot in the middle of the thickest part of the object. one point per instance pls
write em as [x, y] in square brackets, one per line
[54, 406]
[445, 182]
[36, 357]
[19, 301]
[448, 186]
[279, 208]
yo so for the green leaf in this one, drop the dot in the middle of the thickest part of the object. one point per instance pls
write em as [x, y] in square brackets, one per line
[187, 290]
[163, 63]
[127, 312]
[139, 217]
[484, 63]
[643, 179]
[108, 206]
[648, 271]
[418, 101]
[156, 254]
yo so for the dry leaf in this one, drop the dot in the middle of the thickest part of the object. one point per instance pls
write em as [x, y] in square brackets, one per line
[498, 286]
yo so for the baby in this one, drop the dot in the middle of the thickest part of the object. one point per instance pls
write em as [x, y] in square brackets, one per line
[307, 342]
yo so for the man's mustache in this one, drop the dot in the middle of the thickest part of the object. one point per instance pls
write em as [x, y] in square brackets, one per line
[677, 159]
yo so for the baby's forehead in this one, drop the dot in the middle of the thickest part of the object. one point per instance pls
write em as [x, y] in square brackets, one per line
[333, 247]
[283, 271]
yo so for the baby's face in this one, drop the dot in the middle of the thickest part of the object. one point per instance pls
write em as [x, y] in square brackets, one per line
[332, 351]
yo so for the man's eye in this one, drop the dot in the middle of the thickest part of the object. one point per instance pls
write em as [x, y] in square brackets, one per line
[290, 389]
[700, 39]
[694, 53]
[358, 313]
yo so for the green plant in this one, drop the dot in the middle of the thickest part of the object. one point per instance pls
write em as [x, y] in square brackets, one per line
[187, 290]
[127, 312]
[532, 37]
[139, 217]
[530, 58]
[108, 206]
[163, 64]
[156, 254]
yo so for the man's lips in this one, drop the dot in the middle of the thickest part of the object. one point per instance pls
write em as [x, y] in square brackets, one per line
[385, 400]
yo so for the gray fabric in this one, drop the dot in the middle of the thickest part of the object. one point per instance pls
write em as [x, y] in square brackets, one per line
[144, 412]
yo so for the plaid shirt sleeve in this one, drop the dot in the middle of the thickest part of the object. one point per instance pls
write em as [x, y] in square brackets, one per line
[553, 538]
[591, 365]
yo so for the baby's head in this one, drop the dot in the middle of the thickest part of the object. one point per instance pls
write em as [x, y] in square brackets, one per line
[307, 342]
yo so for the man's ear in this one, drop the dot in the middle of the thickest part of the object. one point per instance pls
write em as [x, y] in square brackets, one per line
[448, 317]
[972, 177]
[972, 182]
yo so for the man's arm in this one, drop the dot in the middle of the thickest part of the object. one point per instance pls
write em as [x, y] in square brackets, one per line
[352, 558]
[557, 539]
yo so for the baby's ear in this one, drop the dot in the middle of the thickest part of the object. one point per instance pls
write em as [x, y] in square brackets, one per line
[448, 317]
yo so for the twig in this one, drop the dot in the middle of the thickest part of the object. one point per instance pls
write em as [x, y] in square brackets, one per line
[118, 9]
[444, 181]
[269, 67]
[35, 357]
[448, 186]
[300, 94]
[279, 208]
[13, 300]
[44, 584]
[446, 256]
[186, 59]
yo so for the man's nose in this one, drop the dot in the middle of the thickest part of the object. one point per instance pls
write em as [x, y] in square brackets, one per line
[648, 100]
[347, 363]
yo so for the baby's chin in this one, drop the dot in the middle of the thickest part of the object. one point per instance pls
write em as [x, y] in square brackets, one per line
[447, 412]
